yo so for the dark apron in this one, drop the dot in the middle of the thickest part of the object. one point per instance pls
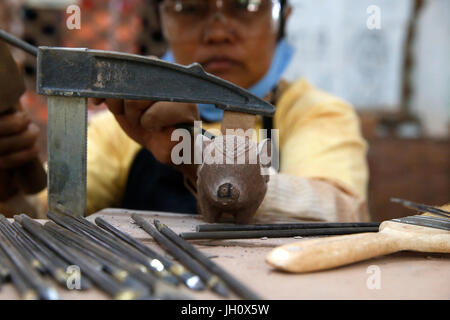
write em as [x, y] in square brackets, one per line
[152, 185]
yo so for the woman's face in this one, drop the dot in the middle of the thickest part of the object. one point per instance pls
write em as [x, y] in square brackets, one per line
[232, 39]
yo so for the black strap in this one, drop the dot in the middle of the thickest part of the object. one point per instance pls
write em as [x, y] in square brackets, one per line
[267, 122]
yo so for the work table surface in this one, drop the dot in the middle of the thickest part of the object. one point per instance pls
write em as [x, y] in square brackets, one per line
[404, 275]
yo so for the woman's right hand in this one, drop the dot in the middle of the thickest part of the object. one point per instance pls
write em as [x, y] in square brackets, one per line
[18, 146]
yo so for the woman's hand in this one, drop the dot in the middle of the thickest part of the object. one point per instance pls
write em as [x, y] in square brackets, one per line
[151, 123]
[18, 146]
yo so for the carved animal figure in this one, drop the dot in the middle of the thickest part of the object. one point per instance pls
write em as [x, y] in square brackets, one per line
[231, 179]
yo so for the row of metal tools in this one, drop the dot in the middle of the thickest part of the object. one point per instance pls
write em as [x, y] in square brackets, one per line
[33, 256]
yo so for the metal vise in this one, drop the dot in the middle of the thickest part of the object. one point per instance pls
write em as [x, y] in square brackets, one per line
[69, 76]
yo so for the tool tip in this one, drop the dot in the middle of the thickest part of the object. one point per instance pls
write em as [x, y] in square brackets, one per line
[18, 218]
[397, 200]
[173, 295]
[171, 279]
[49, 294]
[159, 226]
[194, 283]
[220, 289]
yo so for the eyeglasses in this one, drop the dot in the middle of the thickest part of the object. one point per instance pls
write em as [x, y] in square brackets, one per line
[198, 9]
[187, 15]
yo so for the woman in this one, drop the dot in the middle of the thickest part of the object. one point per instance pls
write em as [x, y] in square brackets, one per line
[323, 170]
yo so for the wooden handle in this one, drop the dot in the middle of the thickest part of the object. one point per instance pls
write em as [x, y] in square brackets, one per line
[31, 177]
[237, 120]
[326, 253]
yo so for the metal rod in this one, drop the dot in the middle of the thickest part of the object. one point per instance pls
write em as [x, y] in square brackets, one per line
[38, 246]
[26, 253]
[26, 271]
[18, 43]
[80, 238]
[120, 275]
[422, 207]
[43, 261]
[36, 258]
[273, 233]
[191, 281]
[101, 279]
[112, 243]
[283, 226]
[88, 248]
[25, 290]
[153, 264]
[4, 269]
[62, 210]
[60, 266]
[116, 263]
[72, 229]
[211, 281]
[235, 285]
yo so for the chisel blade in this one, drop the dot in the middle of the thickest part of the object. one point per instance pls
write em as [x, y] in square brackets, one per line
[426, 221]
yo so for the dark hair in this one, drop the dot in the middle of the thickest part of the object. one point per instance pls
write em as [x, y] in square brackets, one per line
[283, 3]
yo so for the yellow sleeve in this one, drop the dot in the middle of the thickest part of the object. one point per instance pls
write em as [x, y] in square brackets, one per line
[319, 137]
[109, 157]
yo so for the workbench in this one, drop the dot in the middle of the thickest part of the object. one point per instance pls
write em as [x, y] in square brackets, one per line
[404, 275]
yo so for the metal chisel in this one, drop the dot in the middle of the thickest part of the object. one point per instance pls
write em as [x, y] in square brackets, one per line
[420, 233]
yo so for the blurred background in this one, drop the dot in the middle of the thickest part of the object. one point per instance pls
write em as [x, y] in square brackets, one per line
[396, 73]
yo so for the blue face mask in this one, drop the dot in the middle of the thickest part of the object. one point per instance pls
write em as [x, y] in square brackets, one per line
[282, 58]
